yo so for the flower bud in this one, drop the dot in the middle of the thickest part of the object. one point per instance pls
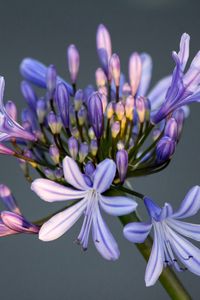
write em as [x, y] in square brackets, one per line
[41, 109]
[89, 169]
[115, 69]
[54, 154]
[120, 145]
[8, 199]
[119, 110]
[29, 95]
[93, 147]
[54, 122]
[83, 151]
[110, 110]
[95, 111]
[104, 100]
[62, 99]
[140, 108]
[122, 163]
[165, 148]
[101, 79]
[51, 78]
[179, 116]
[11, 109]
[156, 133]
[126, 89]
[91, 133]
[129, 107]
[82, 115]
[78, 100]
[171, 129]
[73, 62]
[75, 133]
[58, 173]
[135, 72]
[49, 174]
[27, 115]
[87, 93]
[73, 147]
[115, 129]
[104, 47]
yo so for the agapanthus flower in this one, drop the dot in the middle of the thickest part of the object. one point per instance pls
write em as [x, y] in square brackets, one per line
[170, 247]
[11, 220]
[90, 189]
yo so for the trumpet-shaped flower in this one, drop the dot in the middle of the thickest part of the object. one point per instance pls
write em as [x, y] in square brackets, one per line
[90, 190]
[170, 247]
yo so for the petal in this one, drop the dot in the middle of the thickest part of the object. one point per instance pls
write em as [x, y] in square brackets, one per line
[8, 199]
[137, 232]
[104, 175]
[184, 50]
[73, 175]
[166, 212]
[190, 205]
[159, 91]
[103, 239]
[117, 206]
[146, 74]
[51, 191]
[61, 222]
[187, 229]
[155, 263]
[188, 254]
[4, 230]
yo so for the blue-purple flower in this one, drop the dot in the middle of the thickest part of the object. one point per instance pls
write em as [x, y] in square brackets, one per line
[90, 189]
[170, 247]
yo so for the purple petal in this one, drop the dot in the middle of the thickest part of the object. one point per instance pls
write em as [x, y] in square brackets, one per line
[104, 175]
[187, 229]
[191, 79]
[51, 191]
[188, 254]
[137, 232]
[190, 205]
[146, 74]
[117, 206]
[8, 199]
[155, 263]
[184, 50]
[61, 222]
[73, 175]
[103, 239]
[166, 211]
[4, 230]
[18, 222]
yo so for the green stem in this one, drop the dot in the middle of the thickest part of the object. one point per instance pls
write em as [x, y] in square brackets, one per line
[168, 278]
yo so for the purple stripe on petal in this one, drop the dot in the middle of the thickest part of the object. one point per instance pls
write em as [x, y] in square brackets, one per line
[4, 230]
[117, 206]
[187, 229]
[137, 232]
[104, 175]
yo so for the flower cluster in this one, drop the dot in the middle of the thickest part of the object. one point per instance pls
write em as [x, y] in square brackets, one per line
[85, 143]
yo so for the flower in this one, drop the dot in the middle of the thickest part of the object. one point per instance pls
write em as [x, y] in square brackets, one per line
[9, 128]
[12, 221]
[170, 248]
[90, 190]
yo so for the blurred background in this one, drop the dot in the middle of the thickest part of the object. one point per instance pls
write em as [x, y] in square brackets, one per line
[31, 269]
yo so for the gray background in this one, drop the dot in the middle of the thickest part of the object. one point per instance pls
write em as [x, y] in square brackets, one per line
[29, 268]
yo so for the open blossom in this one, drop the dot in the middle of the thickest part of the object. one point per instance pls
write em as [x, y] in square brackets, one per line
[11, 220]
[90, 190]
[170, 248]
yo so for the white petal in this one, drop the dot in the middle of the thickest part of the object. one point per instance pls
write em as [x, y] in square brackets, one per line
[188, 254]
[117, 206]
[155, 263]
[73, 174]
[190, 205]
[103, 239]
[51, 191]
[104, 175]
[61, 222]
[137, 232]
[187, 229]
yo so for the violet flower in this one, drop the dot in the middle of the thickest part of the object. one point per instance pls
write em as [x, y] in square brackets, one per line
[170, 248]
[90, 190]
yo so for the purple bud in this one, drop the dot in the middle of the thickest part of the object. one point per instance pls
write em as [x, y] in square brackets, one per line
[126, 89]
[73, 147]
[41, 109]
[115, 129]
[165, 148]
[104, 47]
[28, 116]
[51, 78]
[87, 180]
[62, 99]
[29, 95]
[140, 108]
[5, 150]
[110, 110]
[100, 78]
[8, 199]
[11, 110]
[49, 174]
[93, 147]
[82, 115]
[119, 110]
[18, 222]
[78, 100]
[54, 122]
[179, 116]
[89, 168]
[54, 154]
[135, 72]
[83, 151]
[95, 110]
[87, 93]
[115, 68]
[73, 62]
[122, 164]
[58, 173]
[129, 107]
[171, 129]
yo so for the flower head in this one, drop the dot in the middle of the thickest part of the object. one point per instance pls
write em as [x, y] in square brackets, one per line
[89, 189]
[170, 247]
